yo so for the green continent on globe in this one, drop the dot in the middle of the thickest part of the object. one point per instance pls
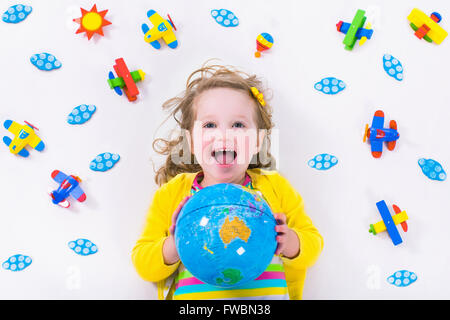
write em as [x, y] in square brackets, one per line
[234, 229]
[230, 276]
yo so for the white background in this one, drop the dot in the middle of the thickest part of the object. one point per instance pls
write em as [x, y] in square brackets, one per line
[354, 264]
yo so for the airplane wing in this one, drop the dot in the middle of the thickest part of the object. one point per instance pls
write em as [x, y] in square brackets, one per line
[377, 148]
[378, 120]
[389, 222]
[111, 84]
[158, 26]
[122, 71]
[155, 19]
[12, 127]
[36, 143]
[148, 37]
[58, 176]
[357, 23]
[129, 95]
[170, 39]
[78, 194]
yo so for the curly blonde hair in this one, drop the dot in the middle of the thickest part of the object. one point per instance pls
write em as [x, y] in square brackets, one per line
[181, 108]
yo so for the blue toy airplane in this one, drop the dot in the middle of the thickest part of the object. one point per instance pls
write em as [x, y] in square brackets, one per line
[23, 135]
[161, 29]
[377, 134]
[355, 31]
[68, 185]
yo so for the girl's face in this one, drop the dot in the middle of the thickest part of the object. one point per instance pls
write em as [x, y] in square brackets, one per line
[225, 134]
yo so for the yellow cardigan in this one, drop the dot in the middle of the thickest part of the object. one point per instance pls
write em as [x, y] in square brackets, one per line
[147, 254]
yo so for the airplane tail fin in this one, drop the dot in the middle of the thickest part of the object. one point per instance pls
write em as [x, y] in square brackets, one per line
[368, 35]
[391, 144]
[397, 211]
[393, 124]
[7, 140]
[64, 203]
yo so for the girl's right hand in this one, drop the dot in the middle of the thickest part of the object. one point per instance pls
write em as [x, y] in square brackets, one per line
[170, 253]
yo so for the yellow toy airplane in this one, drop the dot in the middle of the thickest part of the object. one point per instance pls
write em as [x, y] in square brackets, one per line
[161, 29]
[24, 135]
[427, 27]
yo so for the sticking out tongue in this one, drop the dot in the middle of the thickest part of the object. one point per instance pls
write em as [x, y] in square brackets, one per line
[224, 157]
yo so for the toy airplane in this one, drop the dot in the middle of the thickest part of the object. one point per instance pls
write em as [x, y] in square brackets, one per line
[389, 222]
[355, 30]
[427, 27]
[125, 80]
[24, 135]
[377, 134]
[68, 185]
[161, 29]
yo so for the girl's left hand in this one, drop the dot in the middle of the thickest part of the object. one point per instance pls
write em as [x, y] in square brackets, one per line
[288, 242]
[175, 215]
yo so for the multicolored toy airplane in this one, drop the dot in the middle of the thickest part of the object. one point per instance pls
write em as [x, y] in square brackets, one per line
[161, 29]
[389, 222]
[23, 135]
[427, 27]
[125, 80]
[377, 134]
[68, 185]
[355, 30]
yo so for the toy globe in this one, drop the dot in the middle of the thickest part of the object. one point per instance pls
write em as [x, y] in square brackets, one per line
[225, 235]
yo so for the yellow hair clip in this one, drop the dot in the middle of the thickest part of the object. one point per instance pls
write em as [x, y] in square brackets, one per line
[259, 96]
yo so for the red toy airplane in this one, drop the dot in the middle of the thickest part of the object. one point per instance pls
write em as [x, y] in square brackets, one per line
[125, 80]
[377, 134]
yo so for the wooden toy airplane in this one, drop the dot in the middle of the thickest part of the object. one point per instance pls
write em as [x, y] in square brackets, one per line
[377, 134]
[161, 29]
[68, 185]
[23, 135]
[427, 27]
[389, 222]
[355, 30]
[125, 80]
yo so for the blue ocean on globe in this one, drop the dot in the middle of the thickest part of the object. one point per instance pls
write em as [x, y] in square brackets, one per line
[225, 235]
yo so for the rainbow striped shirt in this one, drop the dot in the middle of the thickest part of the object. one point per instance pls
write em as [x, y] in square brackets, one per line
[271, 284]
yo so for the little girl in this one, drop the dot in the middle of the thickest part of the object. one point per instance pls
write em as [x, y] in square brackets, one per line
[225, 138]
